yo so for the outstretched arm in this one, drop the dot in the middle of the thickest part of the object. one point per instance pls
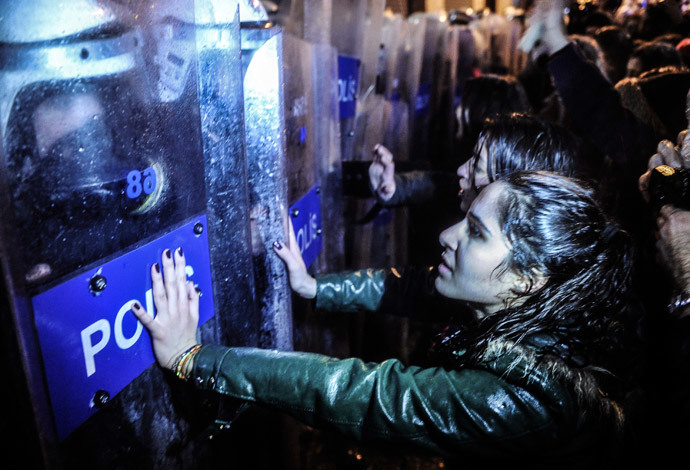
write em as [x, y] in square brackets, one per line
[590, 99]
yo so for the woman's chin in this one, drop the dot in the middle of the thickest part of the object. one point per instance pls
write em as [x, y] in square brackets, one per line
[440, 286]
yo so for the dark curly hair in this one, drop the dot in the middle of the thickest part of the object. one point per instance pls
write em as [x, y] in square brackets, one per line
[524, 142]
[490, 95]
[558, 232]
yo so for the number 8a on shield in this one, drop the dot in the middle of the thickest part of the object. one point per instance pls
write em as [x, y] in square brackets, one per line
[141, 181]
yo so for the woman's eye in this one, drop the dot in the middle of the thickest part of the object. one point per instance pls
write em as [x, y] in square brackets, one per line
[474, 231]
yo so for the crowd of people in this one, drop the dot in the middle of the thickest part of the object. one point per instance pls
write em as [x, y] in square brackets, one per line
[565, 285]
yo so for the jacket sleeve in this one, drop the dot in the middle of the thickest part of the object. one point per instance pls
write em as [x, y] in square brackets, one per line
[438, 410]
[422, 187]
[407, 292]
[350, 291]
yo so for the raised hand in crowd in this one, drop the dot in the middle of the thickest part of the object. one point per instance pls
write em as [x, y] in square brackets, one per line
[382, 172]
[675, 156]
[674, 250]
[547, 32]
[673, 223]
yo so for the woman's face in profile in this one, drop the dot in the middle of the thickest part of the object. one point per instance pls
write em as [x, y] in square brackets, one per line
[475, 249]
[473, 176]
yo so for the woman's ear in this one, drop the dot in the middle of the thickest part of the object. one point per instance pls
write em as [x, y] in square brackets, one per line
[528, 284]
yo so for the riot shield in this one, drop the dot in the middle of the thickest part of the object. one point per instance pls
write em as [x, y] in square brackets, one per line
[391, 35]
[499, 36]
[221, 101]
[266, 142]
[373, 24]
[421, 52]
[448, 81]
[327, 152]
[310, 20]
[347, 35]
[381, 118]
[116, 146]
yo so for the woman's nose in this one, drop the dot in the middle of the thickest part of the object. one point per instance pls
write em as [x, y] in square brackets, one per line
[449, 237]
[463, 170]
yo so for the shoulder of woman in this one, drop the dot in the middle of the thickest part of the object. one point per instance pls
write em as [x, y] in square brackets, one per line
[522, 365]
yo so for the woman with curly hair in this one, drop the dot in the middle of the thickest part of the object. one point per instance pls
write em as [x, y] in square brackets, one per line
[506, 143]
[519, 142]
[530, 377]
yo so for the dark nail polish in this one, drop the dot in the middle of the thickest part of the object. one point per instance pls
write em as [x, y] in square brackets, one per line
[136, 306]
[168, 254]
[179, 251]
[277, 245]
[157, 267]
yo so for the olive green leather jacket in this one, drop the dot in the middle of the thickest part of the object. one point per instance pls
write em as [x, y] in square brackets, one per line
[508, 406]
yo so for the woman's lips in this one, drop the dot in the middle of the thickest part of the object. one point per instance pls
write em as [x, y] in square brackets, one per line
[463, 187]
[444, 267]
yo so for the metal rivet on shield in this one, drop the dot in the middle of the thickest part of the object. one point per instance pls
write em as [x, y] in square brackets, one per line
[97, 284]
[351, 134]
[100, 399]
[319, 231]
[198, 289]
[198, 228]
[318, 190]
[294, 212]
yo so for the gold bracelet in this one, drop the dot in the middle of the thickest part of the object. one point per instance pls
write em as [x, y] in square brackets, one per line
[183, 361]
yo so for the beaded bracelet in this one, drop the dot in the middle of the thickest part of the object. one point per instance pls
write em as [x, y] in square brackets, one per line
[176, 364]
[183, 360]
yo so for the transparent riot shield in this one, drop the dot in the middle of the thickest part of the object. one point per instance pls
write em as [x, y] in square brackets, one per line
[373, 238]
[115, 146]
[267, 142]
[311, 67]
[423, 43]
[356, 34]
[347, 34]
[373, 24]
[516, 58]
[221, 100]
[448, 81]
[310, 20]
[327, 154]
[482, 40]
[393, 35]
[297, 62]
[403, 68]
[500, 36]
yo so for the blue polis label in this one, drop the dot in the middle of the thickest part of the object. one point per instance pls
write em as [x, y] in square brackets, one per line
[348, 83]
[91, 341]
[306, 221]
[423, 99]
